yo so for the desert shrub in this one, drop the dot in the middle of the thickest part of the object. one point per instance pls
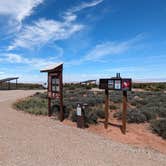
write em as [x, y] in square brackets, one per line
[150, 86]
[100, 113]
[32, 105]
[133, 102]
[90, 116]
[159, 127]
[73, 116]
[90, 101]
[162, 112]
[55, 109]
[118, 115]
[116, 99]
[99, 100]
[113, 107]
[149, 115]
[133, 116]
[40, 95]
[136, 116]
[142, 102]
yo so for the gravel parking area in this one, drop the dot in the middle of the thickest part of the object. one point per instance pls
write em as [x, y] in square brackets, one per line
[29, 140]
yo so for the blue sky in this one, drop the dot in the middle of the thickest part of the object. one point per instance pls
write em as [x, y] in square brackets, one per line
[93, 38]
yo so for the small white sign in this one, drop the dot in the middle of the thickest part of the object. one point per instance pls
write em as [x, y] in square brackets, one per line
[117, 84]
[78, 111]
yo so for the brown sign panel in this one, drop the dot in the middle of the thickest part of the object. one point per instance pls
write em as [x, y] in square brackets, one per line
[115, 84]
[103, 84]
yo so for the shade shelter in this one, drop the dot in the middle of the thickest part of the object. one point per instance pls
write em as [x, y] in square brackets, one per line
[7, 83]
[55, 87]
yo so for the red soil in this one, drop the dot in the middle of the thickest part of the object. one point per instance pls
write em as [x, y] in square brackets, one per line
[138, 135]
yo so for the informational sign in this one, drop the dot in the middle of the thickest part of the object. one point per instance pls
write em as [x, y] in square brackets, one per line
[117, 85]
[79, 111]
[110, 84]
[55, 84]
[103, 84]
[55, 87]
[126, 84]
[57, 81]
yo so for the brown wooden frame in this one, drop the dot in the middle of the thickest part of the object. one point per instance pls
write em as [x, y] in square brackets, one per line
[58, 73]
[103, 84]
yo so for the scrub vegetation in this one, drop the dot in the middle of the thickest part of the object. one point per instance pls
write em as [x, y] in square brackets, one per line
[147, 106]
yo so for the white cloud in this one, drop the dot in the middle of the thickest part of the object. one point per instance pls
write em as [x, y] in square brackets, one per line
[109, 48]
[44, 31]
[14, 58]
[100, 51]
[84, 5]
[105, 49]
[36, 63]
[70, 14]
[18, 9]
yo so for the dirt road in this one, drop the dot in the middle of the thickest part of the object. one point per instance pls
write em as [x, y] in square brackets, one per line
[28, 140]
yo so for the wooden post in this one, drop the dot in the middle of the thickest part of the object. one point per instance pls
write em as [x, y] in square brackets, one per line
[106, 108]
[61, 118]
[16, 83]
[8, 85]
[124, 112]
[49, 106]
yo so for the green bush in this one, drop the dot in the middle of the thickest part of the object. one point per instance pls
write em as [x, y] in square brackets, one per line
[136, 116]
[90, 117]
[159, 127]
[149, 115]
[33, 105]
[133, 116]
[113, 107]
[100, 113]
[73, 116]
[162, 112]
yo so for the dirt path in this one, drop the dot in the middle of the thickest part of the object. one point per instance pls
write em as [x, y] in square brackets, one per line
[27, 140]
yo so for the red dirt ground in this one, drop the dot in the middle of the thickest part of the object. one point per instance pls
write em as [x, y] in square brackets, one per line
[138, 135]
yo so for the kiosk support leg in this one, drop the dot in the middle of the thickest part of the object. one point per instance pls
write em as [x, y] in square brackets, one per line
[61, 118]
[124, 112]
[49, 107]
[106, 108]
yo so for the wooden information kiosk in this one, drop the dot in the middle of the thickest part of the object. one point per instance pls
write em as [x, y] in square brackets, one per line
[55, 87]
[119, 84]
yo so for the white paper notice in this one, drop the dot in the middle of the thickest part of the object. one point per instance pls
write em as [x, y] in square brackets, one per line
[78, 111]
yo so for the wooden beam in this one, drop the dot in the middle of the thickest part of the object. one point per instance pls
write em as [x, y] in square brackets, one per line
[106, 108]
[61, 118]
[124, 112]
[16, 83]
[49, 107]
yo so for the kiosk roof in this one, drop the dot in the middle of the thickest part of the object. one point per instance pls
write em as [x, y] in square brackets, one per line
[52, 67]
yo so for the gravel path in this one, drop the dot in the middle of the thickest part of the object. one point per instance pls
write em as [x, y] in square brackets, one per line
[27, 140]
